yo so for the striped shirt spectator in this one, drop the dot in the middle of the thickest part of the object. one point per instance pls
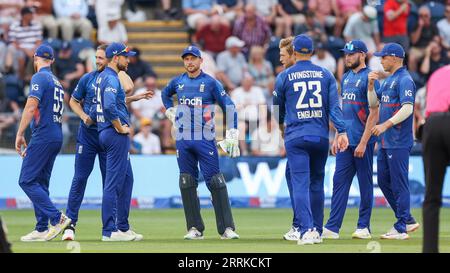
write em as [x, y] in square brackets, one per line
[26, 36]
[252, 29]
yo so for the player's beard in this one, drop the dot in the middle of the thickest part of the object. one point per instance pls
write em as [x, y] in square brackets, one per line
[122, 67]
[192, 69]
[354, 65]
[35, 66]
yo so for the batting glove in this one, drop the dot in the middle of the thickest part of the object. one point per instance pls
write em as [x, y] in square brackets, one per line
[230, 144]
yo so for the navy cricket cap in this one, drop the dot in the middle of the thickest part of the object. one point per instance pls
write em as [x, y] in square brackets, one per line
[191, 50]
[303, 44]
[118, 49]
[355, 46]
[391, 49]
[44, 51]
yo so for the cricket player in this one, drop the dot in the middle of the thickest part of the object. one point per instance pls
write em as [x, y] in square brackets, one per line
[287, 59]
[307, 96]
[197, 94]
[113, 121]
[43, 110]
[88, 146]
[358, 158]
[396, 102]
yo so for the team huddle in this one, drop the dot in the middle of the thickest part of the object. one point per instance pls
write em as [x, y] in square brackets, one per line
[305, 99]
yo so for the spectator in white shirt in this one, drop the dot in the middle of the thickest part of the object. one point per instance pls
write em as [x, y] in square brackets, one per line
[149, 142]
[248, 99]
[444, 28]
[324, 58]
[266, 140]
[113, 30]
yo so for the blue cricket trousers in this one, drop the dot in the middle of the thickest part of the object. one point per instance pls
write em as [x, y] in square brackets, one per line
[34, 179]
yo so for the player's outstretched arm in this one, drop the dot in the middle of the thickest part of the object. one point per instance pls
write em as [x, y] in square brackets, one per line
[146, 95]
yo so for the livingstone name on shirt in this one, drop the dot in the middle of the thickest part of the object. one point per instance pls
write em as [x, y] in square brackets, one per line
[305, 75]
[309, 114]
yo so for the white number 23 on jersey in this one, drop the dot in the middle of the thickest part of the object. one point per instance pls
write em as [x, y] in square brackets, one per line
[313, 86]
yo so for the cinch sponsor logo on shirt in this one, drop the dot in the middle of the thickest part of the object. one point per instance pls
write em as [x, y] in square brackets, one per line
[349, 96]
[110, 89]
[197, 101]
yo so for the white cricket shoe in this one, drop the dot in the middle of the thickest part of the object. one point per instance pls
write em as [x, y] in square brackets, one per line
[55, 230]
[69, 234]
[393, 234]
[412, 227]
[118, 236]
[193, 234]
[328, 234]
[34, 236]
[362, 233]
[292, 235]
[137, 236]
[310, 237]
[229, 234]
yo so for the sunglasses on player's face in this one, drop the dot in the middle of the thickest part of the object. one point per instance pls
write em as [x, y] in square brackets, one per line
[125, 50]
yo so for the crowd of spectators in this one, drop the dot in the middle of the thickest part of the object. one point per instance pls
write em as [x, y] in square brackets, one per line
[239, 41]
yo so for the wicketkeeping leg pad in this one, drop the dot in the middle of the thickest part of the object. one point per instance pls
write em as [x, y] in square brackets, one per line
[191, 202]
[221, 203]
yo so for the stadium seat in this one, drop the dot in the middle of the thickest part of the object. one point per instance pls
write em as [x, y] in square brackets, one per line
[437, 10]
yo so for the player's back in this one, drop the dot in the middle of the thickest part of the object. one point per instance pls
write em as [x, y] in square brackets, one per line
[307, 89]
[46, 123]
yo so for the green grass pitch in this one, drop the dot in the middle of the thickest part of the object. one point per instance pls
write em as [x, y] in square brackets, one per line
[261, 230]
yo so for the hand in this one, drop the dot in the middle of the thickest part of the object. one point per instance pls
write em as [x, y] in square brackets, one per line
[360, 150]
[404, 7]
[379, 129]
[421, 22]
[88, 121]
[124, 130]
[171, 113]
[230, 144]
[334, 147]
[146, 95]
[342, 142]
[20, 141]
[372, 77]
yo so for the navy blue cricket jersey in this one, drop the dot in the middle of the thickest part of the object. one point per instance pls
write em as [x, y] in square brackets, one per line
[197, 98]
[46, 123]
[307, 96]
[396, 90]
[110, 102]
[355, 106]
[85, 93]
